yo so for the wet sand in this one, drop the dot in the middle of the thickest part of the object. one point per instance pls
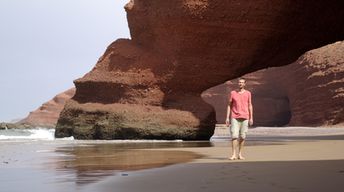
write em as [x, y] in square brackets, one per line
[75, 165]
[289, 176]
[293, 166]
[275, 161]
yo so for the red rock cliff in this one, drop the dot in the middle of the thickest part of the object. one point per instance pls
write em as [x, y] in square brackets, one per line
[48, 114]
[150, 86]
[308, 92]
[315, 87]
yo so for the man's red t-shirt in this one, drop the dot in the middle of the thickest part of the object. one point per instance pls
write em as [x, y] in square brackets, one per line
[240, 104]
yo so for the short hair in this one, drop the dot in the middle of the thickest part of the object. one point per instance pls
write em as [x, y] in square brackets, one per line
[241, 78]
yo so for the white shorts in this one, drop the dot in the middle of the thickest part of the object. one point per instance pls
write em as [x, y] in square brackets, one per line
[238, 128]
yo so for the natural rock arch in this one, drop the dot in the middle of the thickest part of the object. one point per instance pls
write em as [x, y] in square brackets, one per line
[149, 87]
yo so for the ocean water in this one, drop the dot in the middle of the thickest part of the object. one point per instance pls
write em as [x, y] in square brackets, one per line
[45, 134]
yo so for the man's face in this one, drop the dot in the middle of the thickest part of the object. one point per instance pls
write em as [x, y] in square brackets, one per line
[241, 83]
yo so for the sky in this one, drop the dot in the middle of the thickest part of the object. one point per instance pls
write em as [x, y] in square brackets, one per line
[46, 44]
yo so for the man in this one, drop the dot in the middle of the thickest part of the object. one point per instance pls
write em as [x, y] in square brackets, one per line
[239, 116]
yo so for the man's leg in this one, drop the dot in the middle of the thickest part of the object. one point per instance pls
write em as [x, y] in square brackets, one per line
[241, 148]
[234, 147]
[243, 131]
[234, 129]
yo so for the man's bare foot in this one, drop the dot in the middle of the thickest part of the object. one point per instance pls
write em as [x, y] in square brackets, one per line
[233, 157]
[241, 157]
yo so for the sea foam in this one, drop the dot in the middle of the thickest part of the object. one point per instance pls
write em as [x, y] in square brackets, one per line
[27, 134]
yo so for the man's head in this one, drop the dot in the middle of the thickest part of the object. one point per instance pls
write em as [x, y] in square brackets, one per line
[241, 82]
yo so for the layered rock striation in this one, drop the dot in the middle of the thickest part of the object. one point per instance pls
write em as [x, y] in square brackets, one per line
[315, 87]
[149, 87]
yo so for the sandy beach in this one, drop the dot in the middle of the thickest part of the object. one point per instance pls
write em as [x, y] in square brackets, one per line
[275, 161]
[312, 165]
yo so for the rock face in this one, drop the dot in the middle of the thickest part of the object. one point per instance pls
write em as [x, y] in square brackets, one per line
[4, 125]
[308, 92]
[150, 86]
[316, 87]
[48, 114]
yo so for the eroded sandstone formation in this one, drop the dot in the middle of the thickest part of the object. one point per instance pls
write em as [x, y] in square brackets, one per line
[308, 92]
[48, 114]
[315, 87]
[150, 86]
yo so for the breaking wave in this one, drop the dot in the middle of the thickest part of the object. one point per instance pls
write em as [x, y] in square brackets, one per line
[27, 134]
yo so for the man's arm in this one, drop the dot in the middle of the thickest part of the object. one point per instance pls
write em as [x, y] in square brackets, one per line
[250, 110]
[228, 110]
[228, 113]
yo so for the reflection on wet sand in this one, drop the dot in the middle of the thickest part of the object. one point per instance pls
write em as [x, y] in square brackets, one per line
[91, 163]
